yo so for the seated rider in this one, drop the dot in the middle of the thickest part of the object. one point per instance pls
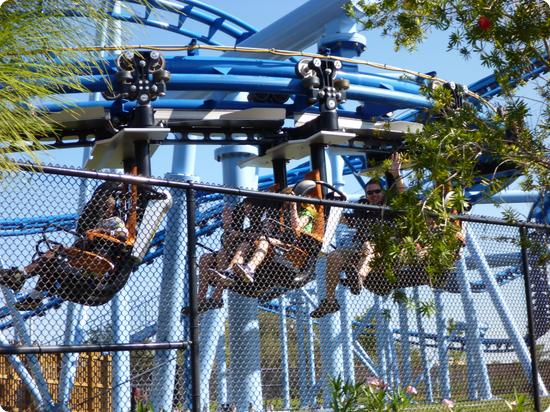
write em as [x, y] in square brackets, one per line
[301, 217]
[94, 268]
[357, 258]
[242, 225]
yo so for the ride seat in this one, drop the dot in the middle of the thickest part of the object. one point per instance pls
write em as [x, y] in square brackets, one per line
[88, 261]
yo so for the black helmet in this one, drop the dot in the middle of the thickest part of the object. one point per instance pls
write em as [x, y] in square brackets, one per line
[304, 187]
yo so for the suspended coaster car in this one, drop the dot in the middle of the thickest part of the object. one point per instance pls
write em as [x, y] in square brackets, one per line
[292, 265]
[98, 264]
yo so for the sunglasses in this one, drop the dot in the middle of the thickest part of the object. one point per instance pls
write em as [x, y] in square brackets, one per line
[372, 192]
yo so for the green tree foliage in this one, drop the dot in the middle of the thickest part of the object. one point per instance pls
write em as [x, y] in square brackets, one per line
[41, 53]
[459, 144]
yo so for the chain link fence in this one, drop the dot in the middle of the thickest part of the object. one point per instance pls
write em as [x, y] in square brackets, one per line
[260, 307]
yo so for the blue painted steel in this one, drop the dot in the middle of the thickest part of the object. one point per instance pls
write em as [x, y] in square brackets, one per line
[221, 364]
[380, 335]
[394, 361]
[442, 347]
[22, 371]
[215, 19]
[244, 335]
[120, 313]
[346, 322]
[76, 318]
[298, 30]
[279, 85]
[211, 343]
[426, 376]
[330, 340]
[173, 296]
[24, 337]
[476, 366]
[302, 315]
[283, 338]
[502, 309]
[405, 344]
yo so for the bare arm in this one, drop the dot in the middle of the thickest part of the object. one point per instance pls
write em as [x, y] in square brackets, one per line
[395, 171]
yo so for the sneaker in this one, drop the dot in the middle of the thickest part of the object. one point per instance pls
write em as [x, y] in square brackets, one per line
[226, 276]
[29, 303]
[354, 283]
[12, 278]
[325, 307]
[245, 272]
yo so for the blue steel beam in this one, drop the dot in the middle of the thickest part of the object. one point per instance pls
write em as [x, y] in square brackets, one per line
[215, 19]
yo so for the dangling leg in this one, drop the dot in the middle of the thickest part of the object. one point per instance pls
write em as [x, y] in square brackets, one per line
[246, 271]
[335, 262]
[14, 278]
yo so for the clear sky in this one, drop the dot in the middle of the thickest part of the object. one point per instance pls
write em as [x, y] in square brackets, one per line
[430, 56]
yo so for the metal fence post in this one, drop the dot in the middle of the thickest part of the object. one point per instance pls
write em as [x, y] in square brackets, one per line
[193, 315]
[530, 321]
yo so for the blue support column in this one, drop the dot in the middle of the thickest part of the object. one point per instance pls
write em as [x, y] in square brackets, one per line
[283, 337]
[423, 354]
[380, 340]
[405, 344]
[502, 309]
[221, 364]
[212, 343]
[396, 377]
[337, 179]
[330, 340]
[30, 384]
[476, 366]
[121, 320]
[174, 284]
[32, 360]
[310, 353]
[77, 316]
[245, 383]
[442, 344]
[301, 347]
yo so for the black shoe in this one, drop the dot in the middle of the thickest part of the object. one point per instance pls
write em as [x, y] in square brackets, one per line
[303, 278]
[12, 278]
[354, 283]
[29, 303]
[325, 307]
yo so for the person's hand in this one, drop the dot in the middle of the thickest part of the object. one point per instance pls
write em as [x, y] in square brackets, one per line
[461, 237]
[396, 162]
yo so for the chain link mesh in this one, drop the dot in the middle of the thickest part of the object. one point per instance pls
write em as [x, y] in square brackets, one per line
[289, 296]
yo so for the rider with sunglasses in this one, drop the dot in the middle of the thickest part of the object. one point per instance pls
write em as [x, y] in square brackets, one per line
[356, 259]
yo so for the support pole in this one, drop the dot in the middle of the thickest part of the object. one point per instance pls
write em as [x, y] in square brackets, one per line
[283, 337]
[173, 296]
[193, 304]
[279, 172]
[530, 319]
[318, 160]
[245, 383]
[423, 353]
[502, 309]
[302, 315]
[442, 344]
[476, 365]
[405, 344]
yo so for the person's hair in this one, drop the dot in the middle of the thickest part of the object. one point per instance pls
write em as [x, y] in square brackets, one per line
[374, 181]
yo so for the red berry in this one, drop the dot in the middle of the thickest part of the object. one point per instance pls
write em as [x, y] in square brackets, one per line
[484, 23]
